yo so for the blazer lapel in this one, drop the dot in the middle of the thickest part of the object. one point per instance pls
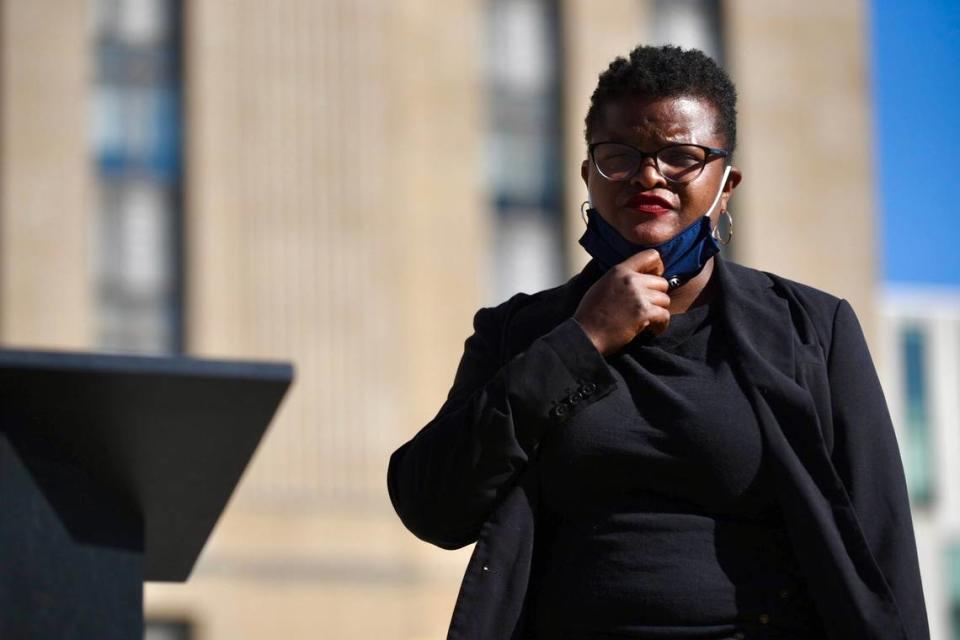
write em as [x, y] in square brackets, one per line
[848, 586]
[761, 320]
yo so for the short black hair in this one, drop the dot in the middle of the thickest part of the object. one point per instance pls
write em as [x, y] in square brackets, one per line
[665, 72]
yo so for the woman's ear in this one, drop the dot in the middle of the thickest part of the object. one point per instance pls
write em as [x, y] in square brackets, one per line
[733, 179]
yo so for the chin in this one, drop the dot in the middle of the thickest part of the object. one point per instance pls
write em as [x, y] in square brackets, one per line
[646, 229]
[646, 234]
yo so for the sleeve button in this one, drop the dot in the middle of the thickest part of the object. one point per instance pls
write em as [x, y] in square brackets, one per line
[576, 397]
[559, 411]
[588, 388]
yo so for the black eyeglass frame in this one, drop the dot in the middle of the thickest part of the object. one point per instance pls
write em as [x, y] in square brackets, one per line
[712, 153]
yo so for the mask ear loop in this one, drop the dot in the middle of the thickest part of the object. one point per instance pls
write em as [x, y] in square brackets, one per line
[585, 206]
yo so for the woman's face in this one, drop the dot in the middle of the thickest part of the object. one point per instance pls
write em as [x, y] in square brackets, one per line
[647, 209]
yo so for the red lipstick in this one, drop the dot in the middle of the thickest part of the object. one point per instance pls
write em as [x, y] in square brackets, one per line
[647, 203]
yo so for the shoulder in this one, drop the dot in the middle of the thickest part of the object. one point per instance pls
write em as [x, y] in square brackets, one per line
[808, 305]
[519, 304]
[524, 317]
[548, 302]
[809, 296]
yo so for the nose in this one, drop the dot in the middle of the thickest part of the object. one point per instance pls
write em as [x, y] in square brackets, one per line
[647, 176]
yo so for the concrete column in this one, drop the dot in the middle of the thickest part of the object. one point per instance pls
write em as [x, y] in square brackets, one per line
[46, 295]
[805, 207]
[335, 216]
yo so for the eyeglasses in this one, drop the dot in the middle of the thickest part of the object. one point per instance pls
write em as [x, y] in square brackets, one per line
[679, 163]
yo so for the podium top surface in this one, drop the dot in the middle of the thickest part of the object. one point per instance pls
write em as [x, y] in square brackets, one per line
[170, 436]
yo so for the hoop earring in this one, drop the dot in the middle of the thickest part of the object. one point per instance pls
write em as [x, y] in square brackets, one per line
[584, 208]
[716, 230]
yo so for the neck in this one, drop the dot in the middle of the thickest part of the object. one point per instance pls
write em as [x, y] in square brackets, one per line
[694, 292]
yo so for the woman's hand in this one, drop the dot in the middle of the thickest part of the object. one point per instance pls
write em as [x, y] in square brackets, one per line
[630, 298]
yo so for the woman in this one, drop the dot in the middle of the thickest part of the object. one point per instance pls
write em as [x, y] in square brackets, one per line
[669, 445]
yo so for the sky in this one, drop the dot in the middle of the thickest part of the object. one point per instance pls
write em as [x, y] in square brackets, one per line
[915, 53]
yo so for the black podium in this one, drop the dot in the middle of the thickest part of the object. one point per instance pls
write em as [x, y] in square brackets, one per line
[114, 470]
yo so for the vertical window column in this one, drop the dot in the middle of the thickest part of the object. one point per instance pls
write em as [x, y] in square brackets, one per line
[524, 152]
[136, 132]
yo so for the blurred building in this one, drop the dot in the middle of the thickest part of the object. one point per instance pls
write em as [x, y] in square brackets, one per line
[917, 96]
[341, 183]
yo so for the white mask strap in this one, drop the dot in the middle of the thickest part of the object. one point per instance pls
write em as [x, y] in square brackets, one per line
[723, 183]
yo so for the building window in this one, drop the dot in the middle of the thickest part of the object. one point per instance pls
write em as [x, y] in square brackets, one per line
[952, 569]
[693, 24]
[136, 131]
[167, 630]
[918, 462]
[524, 152]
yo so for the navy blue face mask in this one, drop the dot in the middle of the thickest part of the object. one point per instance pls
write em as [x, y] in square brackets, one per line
[683, 255]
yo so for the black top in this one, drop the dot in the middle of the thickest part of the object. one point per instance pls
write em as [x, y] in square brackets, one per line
[664, 524]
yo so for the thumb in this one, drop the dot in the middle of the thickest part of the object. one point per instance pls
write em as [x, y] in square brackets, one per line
[646, 261]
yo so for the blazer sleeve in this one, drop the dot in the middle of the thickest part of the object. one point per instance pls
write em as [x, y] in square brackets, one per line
[868, 460]
[444, 482]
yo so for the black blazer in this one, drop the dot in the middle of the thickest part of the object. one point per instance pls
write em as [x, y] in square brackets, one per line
[803, 363]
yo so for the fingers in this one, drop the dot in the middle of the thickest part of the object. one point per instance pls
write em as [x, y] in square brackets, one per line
[655, 283]
[631, 298]
[660, 299]
[659, 321]
[646, 261]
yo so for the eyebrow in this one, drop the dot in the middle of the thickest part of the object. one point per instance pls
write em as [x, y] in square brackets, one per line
[659, 142]
[630, 137]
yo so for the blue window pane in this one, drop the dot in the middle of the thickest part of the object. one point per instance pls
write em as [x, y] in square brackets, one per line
[917, 449]
[137, 102]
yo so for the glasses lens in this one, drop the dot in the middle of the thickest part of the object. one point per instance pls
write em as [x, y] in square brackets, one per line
[616, 161]
[681, 162]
